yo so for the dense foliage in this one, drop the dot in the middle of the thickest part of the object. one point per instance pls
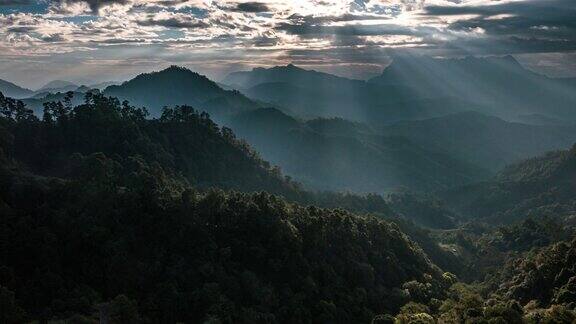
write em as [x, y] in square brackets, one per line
[110, 215]
[542, 186]
[99, 219]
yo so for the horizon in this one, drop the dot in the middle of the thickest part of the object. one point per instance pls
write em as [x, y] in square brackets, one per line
[86, 82]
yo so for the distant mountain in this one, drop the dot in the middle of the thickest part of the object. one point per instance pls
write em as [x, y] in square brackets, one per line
[103, 85]
[537, 187]
[9, 89]
[334, 154]
[313, 94]
[179, 86]
[500, 85]
[305, 93]
[289, 74]
[414, 88]
[58, 86]
[484, 140]
[36, 102]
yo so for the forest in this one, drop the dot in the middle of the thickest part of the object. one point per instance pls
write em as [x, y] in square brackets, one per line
[107, 213]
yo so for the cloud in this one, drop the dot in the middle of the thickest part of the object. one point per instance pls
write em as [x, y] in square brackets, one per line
[253, 7]
[348, 32]
[532, 25]
[72, 6]
[174, 21]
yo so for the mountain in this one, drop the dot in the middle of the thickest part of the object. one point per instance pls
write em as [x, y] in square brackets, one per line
[11, 90]
[537, 187]
[483, 140]
[414, 88]
[100, 198]
[58, 86]
[500, 85]
[335, 154]
[289, 74]
[314, 94]
[180, 86]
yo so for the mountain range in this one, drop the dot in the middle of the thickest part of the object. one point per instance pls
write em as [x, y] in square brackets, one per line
[413, 88]
[484, 140]
[334, 154]
[423, 140]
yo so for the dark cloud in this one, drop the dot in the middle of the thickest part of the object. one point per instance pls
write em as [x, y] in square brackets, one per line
[174, 22]
[532, 25]
[94, 5]
[313, 30]
[15, 2]
[296, 19]
[21, 29]
[53, 38]
[113, 41]
[252, 7]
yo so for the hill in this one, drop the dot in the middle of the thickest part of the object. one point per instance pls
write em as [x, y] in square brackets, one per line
[11, 90]
[537, 187]
[100, 220]
[334, 154]
[484, 140]
[179, 86]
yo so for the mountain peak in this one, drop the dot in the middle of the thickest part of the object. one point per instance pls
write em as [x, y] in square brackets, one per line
[57, 84]
[176, 68]
[178, 85]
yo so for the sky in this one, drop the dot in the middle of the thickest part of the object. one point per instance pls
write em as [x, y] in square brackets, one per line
[90, 41]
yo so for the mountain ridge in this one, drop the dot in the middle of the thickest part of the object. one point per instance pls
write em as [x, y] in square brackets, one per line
[179, 86]
[10, 89]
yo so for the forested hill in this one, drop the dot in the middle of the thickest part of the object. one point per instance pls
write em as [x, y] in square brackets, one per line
[535, 187]
[99, 218]
[335, 154]
[484, 140]
[180, 86]
[183, 143]
[106, 215]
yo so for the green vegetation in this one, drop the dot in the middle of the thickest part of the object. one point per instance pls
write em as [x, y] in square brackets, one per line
[100, 218]
[107, 214]
[541, 186]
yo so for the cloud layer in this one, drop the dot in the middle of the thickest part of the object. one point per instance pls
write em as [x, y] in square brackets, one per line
[229, 34]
